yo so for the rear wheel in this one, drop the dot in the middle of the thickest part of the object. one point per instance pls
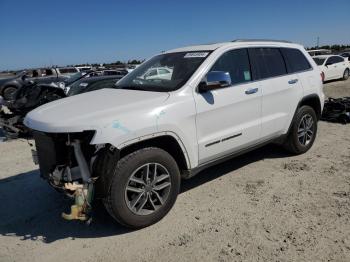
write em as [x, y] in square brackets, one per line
[303, 131]
[144, 187]
[346, 74]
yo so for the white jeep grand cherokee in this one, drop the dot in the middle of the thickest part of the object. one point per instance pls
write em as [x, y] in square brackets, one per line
[131, 145]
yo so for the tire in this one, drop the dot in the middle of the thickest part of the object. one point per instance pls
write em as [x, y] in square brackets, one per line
[8, 92]
[121, 202]
[298, 140]
[346, 74]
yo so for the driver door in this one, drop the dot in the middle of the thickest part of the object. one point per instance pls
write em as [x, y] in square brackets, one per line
[229, 119]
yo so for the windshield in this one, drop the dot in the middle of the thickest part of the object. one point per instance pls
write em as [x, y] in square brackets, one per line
[319, 61]
[163, 73]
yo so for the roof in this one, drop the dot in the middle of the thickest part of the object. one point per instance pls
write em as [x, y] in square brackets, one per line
[238, 42]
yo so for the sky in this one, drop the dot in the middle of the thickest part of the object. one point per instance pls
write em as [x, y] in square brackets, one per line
[43, 33]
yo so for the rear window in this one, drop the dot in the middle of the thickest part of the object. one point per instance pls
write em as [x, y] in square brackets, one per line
[319, 61]
[267, 62]
[295, 60]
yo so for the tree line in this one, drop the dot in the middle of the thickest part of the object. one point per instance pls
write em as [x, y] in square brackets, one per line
[336, 48]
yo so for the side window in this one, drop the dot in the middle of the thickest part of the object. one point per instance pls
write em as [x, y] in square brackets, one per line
[152, 72]
[236, 62]
[338, 59]
[163, 71]
[267, 62]
[331, 60]
[295, 60]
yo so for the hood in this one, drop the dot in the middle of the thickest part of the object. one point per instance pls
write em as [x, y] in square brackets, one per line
[91, 111]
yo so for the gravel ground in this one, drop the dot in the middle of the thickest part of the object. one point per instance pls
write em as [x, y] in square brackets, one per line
[263, 206]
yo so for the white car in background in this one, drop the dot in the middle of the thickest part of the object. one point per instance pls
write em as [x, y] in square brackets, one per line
[158, 73]
[333, 67]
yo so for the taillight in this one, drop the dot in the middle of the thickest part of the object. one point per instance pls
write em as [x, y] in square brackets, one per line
[322, 76]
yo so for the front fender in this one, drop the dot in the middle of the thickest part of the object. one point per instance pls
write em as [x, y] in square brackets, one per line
[176, 119]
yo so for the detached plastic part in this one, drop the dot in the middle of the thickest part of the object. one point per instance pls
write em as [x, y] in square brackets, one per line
[77, 213]
[82, 206]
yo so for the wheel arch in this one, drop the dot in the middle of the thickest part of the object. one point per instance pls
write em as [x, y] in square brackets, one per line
[312, 100]
[167, 141]
[109, 154]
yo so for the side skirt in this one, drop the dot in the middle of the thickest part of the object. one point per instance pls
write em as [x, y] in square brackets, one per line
[192, 172]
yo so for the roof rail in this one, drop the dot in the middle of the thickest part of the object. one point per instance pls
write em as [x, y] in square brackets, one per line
[261, 40]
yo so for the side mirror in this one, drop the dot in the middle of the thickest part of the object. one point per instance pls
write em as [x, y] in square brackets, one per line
[328, 63]
[215, 80]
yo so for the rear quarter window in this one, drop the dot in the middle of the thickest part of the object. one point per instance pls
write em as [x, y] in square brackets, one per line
[295, 60]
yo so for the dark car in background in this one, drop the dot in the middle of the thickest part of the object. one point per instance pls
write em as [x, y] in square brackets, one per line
[89, 84]
[32, 95]
[41, 76]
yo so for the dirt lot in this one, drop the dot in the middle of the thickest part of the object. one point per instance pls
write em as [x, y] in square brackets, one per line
[263, 206]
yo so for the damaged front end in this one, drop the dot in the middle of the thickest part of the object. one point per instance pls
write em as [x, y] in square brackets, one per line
[66, 162]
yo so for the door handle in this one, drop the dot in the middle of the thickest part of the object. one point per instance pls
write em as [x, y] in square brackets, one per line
[251, 91]
[293, 81]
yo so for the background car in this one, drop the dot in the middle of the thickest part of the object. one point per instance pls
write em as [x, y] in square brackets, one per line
[158, 73]
[91, 84]
[40, 76]
[32, 95]
[333, 67]
[317, 52]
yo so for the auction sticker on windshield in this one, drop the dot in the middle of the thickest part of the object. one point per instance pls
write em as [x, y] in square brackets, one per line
[196, 54]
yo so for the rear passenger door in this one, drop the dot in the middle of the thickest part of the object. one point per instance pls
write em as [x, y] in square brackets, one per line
[339, 66]
[281, 90]
[331, 67]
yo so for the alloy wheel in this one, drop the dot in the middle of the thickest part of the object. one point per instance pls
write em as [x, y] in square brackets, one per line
[147, 189]
[306, 130]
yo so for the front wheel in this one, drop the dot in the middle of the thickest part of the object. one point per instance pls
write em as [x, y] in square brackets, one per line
[346, 74]
[144, 187]
[8, 92]
[303, 131]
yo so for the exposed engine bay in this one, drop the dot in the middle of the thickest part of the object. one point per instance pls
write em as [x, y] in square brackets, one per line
[66, 162]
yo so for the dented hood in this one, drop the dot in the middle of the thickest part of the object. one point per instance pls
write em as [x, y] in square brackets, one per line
[91, 111]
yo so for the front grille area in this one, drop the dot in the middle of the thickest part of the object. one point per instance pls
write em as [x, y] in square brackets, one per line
[52, 149]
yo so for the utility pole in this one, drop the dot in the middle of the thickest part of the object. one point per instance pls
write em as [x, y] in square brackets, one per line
[318, 41]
